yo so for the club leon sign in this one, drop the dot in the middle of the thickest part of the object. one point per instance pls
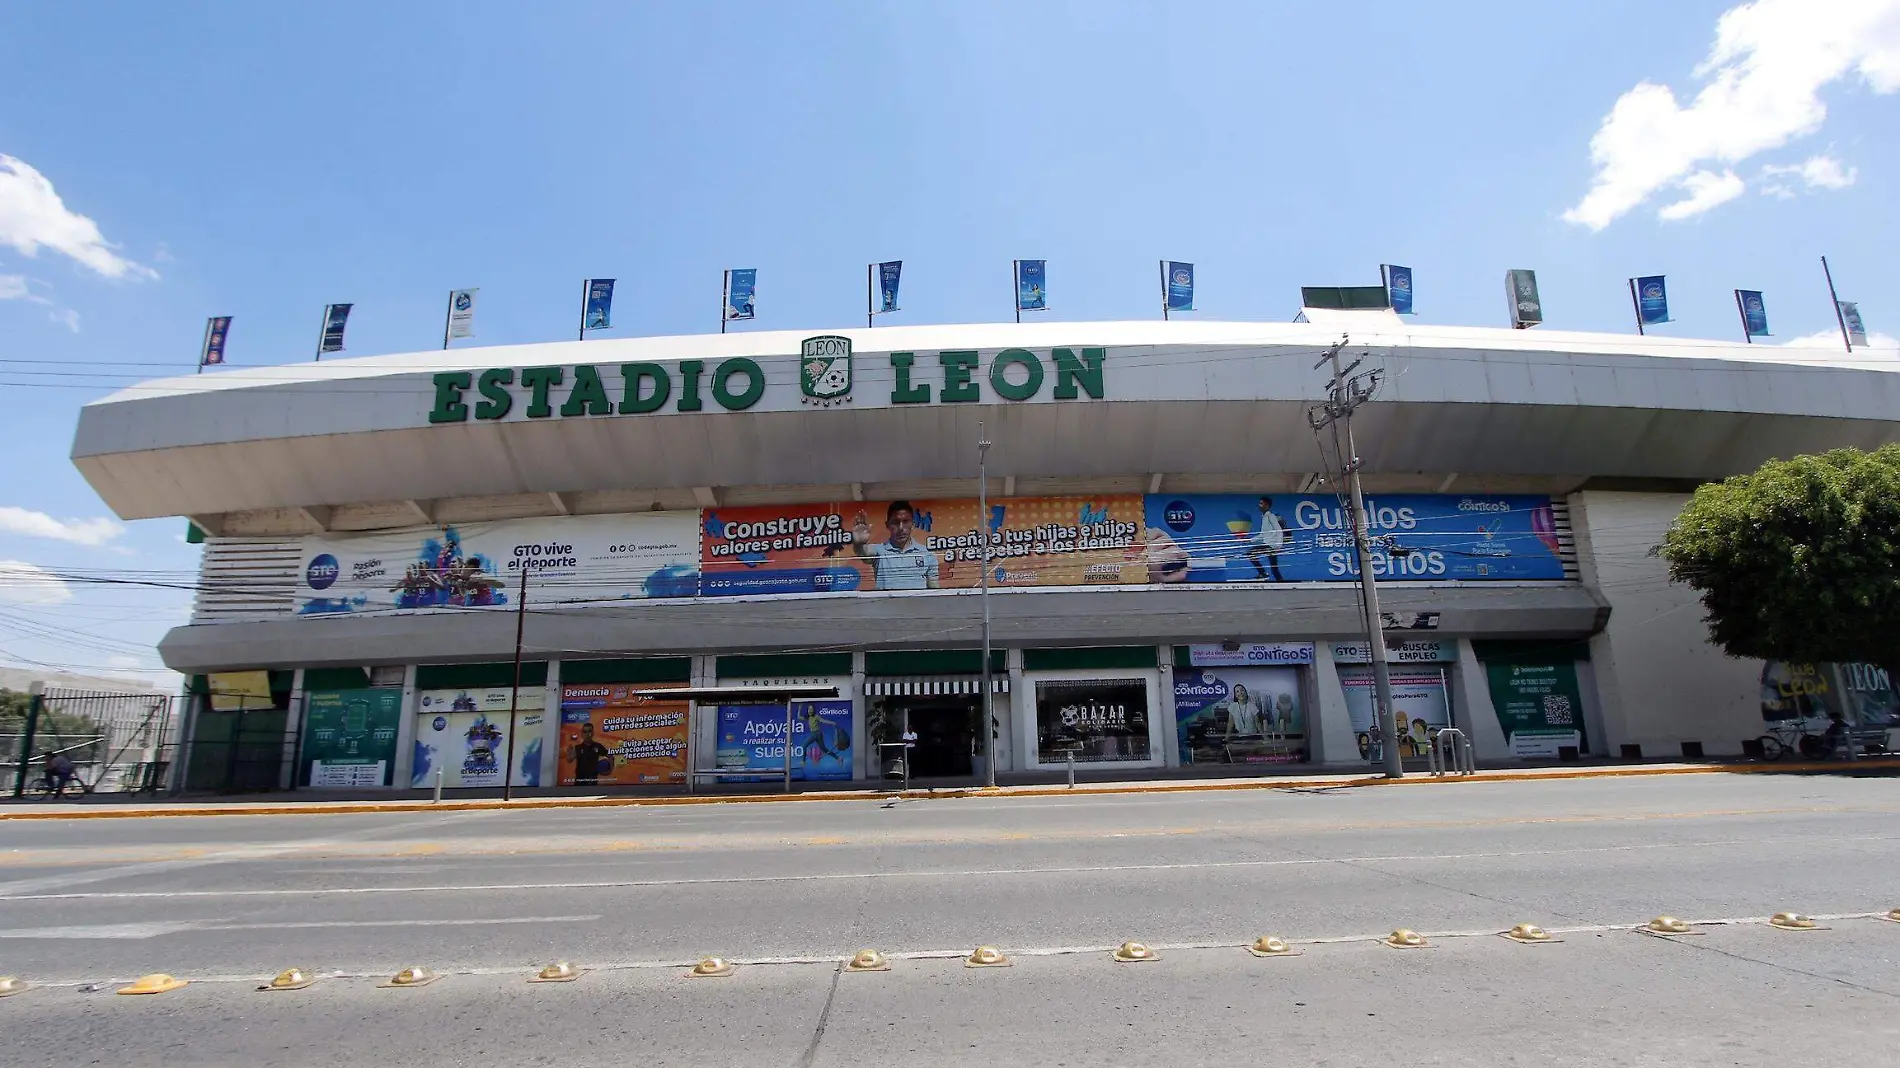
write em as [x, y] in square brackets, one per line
[736, 384]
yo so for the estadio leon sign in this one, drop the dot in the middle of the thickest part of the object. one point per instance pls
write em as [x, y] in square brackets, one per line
[825, 377]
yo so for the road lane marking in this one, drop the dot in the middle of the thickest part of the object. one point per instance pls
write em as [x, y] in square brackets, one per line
[614, 884]
[136, 931]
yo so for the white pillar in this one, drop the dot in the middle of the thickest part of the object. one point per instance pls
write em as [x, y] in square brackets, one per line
[705, 727]
[1328, 724]
[406, 731]
[1476, 714]
[293, 727]
[551, 725]
[860, 760]
[1007, 710]
[1171, 731]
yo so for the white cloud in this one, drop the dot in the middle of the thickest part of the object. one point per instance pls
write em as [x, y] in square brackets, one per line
[1815, 172]
[65, 317]
[13, 287]
[94, 532]
[1832, 339]
[1763, 76]
[1706, 189]
[24, 583]
[32, 217]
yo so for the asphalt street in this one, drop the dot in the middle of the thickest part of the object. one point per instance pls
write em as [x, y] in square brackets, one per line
[789, 889]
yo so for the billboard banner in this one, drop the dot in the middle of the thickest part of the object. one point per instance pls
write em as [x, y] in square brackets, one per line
[1652, 299]
[464, 733]
[597, 311]
[478, 565]
[217, 330]
[335, 318]
[612, 737]
[461, 313]
[349, 737]
[1420, 707]
[1520, 288]
[1754, 312]
[888, 275]
[920, 545]
[1806, 692]
[1178, 293]
[1250, 654]
[1236, 537]
[1032, 290]
[1852, 323]
[752, 737]
[1240, 715]
[1538, 706]
[741, 287]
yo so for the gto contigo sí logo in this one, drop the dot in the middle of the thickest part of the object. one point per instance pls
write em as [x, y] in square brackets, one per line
[824, 369]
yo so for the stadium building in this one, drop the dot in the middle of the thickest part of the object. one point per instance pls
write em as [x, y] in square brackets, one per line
[1172, 581]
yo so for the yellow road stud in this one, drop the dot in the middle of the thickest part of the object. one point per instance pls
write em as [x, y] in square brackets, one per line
[711, 968]
[867, 960]
[1133, 953]
[1530, 934]
[155, 983]
[1794, 921]
[558, 972]
[1667, 925]
[1272, 946]
[290, 979]
[1405, 938]
[10, 986]
[414, 975]
[986, 957]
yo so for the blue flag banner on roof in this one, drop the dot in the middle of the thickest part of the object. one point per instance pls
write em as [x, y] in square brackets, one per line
[1652, 300]
[599, 312]
[1850, 318]
[335, 318]
[888, 275]
[1180, 293]
[1398, 287]
[1754, 312]
[1032, 286]
[741, 285]
[217, 329]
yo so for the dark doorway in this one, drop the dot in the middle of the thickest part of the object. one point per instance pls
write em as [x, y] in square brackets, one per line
[944, 732]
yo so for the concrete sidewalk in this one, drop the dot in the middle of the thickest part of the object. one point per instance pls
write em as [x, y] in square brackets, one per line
[314, 803]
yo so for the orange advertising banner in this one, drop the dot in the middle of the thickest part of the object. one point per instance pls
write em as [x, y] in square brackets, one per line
[921, 544]
[610, 737]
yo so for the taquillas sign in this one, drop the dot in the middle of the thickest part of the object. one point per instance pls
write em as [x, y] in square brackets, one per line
[825, 377]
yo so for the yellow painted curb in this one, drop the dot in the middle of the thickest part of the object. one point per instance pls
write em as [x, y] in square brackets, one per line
[1177, 787]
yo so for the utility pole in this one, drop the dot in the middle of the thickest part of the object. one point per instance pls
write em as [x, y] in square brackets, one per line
[514, 696]
[983, 529]
[1343, 395]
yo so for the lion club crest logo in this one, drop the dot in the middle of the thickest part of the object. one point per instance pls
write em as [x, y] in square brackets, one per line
[824, 369]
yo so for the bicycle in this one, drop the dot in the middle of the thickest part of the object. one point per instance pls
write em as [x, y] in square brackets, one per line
[44, 789]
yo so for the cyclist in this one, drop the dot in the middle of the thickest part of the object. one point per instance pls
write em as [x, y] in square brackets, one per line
[59, 772]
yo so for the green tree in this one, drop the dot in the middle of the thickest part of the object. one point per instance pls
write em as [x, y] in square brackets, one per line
[56, 729]
[1800, 560]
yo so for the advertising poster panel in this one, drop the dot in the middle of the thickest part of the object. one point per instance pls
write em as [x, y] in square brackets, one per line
[1235, 537]
[920, 545]
[611, 737]
[1420, 706]
[1239, 715]
[478, 565]
[1806, 692]
[465, 734]
[752, 737]
[349, 737]
[1096, 719]
[1538, 706]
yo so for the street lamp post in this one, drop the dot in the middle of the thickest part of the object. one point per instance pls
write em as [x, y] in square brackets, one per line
[983, 529]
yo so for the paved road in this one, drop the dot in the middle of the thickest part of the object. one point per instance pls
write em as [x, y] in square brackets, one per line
[634, 892]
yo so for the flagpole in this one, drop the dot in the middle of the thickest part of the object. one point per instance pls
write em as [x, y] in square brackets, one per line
[322, 327]
[1846, 338]
[1164, 291]
[1016, 287]
[870, 275]
[725, 295]
[1742, 311]
[1637, 307]
[203, 346]
[584, 288]
[446, 314]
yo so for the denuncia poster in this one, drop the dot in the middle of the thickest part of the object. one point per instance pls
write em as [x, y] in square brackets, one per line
[611, 735]
[1239, 715]
[464, 734]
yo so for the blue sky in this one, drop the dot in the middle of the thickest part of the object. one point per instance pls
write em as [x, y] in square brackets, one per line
[170, 162]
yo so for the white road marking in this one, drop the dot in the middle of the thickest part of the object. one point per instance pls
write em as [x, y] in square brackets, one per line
[616, 884]
[155, 930]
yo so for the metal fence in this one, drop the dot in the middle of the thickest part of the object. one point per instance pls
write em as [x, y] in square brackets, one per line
[116, 741]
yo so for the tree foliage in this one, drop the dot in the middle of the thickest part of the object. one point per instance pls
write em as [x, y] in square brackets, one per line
[1800, 560]
[55, 729]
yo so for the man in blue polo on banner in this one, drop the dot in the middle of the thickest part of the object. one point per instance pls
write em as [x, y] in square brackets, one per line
[900, 562]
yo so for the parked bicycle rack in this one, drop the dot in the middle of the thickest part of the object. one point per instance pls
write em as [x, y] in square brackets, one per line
[1451, 744]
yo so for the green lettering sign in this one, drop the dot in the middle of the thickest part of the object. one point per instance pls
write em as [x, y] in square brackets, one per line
[755, 384]
[588, 397]
[689, 389]
[631, 401]
[538, 379]
[999, 374]
[448, 397]
[1086, 372]
[902, 392]
[957, 386]
[496, 398]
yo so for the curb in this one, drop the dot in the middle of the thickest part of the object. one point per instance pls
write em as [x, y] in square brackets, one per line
[345, 808]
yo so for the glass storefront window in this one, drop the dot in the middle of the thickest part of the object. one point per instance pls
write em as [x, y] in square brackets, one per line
[1095, 719]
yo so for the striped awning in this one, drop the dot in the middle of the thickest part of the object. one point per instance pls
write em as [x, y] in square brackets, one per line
[932, 685]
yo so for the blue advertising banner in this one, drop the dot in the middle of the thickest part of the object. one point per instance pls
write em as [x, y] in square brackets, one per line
[598, 312]
[1032, 289]
[1239, 715]
[1754, 312]
[217, 329]
[1652, 300]
[1850, 318]
[1233, 537]
[1180, 295]
[740, 285]
[887, 278]
[1398, 286]
[335, 318]
[752, 737]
